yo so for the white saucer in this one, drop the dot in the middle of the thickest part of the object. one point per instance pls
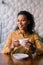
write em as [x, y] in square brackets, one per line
[20, 56]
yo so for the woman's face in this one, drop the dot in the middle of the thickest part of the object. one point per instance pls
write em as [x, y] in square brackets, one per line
[22, 22]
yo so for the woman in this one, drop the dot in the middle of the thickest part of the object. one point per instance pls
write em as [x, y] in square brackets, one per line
[25, 29]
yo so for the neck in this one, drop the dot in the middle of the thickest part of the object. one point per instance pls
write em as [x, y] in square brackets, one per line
[23, 31]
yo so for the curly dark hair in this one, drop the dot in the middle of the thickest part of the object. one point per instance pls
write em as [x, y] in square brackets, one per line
[30, 17]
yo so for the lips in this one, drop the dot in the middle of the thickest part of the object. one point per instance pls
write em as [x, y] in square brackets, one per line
[20, 25]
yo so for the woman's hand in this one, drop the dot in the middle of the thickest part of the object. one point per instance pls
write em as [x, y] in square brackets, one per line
[15, 44]
[27, 45]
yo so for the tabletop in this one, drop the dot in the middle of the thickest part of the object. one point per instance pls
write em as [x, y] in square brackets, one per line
[6, 59]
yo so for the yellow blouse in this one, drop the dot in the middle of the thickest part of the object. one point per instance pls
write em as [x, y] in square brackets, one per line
[34, 38]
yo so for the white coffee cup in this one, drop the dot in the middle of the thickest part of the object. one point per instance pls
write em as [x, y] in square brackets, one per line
[23, 41]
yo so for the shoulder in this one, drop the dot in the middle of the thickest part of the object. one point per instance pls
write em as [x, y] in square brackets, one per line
[14, 32]
[36, 35]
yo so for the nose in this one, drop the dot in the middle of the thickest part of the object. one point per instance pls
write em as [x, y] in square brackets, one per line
[20, 22]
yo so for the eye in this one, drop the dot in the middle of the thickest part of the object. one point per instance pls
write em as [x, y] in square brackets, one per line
[23, 20]
[18, 21]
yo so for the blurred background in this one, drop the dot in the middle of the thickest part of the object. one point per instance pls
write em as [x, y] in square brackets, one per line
[8, 16]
